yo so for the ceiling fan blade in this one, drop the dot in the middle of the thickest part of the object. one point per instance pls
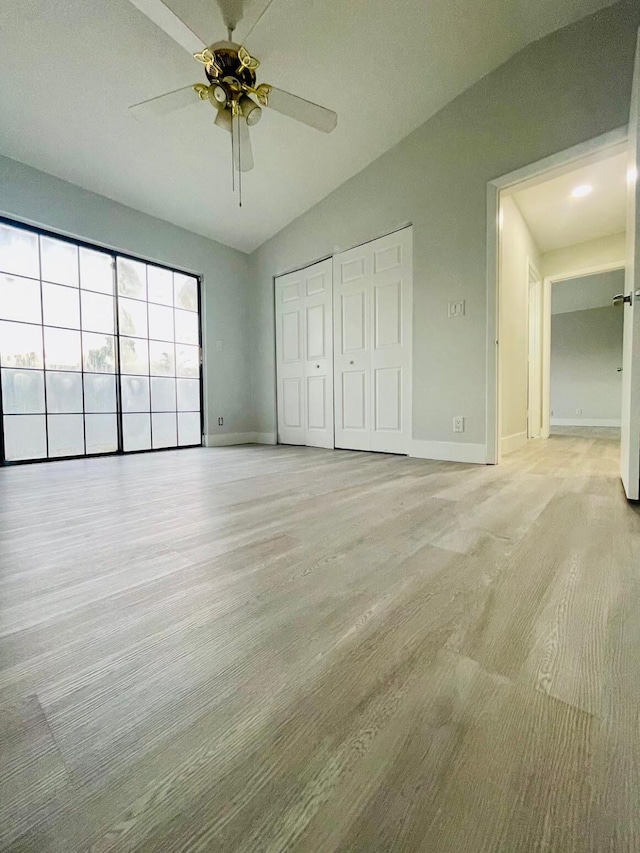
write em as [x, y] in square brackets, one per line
[298, 108]
[173, 26]
[163, 104]
[242, 153]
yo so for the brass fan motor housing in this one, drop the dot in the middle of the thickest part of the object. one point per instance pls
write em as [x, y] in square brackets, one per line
[227, 64]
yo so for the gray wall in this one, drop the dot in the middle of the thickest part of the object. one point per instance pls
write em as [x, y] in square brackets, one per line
[586, 351]
[564, 89]
[35, 197]
[589, 291]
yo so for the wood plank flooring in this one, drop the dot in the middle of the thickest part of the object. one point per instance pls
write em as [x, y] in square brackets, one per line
[283, 649]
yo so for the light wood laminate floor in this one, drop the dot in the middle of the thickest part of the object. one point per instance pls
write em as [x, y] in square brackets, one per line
[281, 649]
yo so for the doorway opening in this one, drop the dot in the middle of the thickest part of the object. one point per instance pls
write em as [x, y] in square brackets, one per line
[585, 358]
[558, 274]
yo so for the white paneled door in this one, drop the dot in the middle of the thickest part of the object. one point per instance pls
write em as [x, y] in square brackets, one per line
[372, 344]
[630, 445]
[304, 349]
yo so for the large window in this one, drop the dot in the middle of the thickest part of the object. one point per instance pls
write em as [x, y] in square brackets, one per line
[99, 353]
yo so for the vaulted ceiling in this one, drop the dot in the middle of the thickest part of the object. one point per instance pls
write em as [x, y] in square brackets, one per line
[71, 68]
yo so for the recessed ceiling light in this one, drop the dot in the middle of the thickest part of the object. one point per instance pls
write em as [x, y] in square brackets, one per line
[582, 191]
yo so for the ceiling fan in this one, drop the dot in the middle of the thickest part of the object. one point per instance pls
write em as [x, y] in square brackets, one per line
[231, 87]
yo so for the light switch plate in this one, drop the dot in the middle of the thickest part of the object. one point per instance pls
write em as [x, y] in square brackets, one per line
[457, 309]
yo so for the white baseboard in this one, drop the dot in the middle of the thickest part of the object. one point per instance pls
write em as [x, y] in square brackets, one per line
[228, 439]
[586, 422]
[509, 443]
[449, 451]
[266, 438]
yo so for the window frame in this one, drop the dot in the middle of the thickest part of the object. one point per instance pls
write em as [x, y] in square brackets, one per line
[114, 254]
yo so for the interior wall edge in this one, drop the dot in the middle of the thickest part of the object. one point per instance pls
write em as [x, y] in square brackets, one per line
[519, 253]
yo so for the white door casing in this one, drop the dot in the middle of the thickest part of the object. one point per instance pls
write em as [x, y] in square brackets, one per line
[373, 344]
[304, 349]
[630, 447]
[612, 142]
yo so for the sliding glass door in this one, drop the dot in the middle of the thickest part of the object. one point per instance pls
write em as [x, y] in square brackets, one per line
[159, 356]
[99, 353]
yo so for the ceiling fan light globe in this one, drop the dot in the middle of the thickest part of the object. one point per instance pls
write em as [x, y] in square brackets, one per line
[250, 110]
[254, 116]
[220, 95]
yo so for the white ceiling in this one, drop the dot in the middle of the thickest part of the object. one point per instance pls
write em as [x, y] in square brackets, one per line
[71, 68]
[556, 219]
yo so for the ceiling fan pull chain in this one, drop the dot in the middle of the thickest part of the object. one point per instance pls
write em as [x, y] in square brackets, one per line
[239, 162]
[233, 160]
[236, 118]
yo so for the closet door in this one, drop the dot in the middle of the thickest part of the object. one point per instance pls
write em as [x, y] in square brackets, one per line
[304, 348]
[373, 348]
